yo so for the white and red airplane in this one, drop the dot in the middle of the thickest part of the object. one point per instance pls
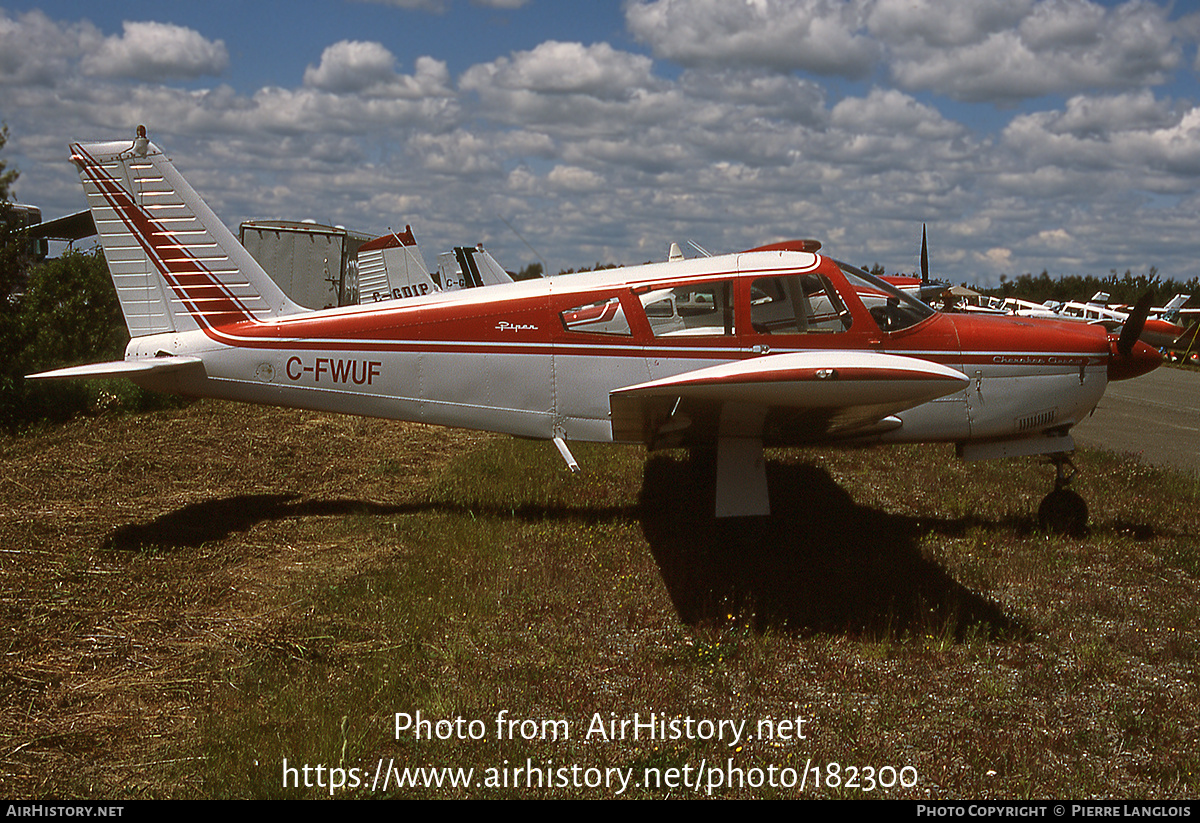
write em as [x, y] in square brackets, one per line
[775, 346]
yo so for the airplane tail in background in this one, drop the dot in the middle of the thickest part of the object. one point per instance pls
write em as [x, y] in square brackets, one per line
[491, 273]
[176, 267]
[468, 267]
[1171, 310]
[392, 268]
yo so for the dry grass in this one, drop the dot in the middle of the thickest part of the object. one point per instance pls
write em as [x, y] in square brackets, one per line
[136, 550]
[189, 597]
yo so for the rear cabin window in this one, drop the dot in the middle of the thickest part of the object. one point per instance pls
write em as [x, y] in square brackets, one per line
[601, 317]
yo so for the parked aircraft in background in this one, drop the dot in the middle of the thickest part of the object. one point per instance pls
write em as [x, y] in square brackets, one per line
[775, 346]
[923, 288]
[1159, 330]
[392, 268]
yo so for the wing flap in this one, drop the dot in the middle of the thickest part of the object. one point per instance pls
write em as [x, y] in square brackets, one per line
[825, 392]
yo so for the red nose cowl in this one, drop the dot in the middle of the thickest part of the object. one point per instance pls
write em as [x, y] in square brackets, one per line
[1144, 358]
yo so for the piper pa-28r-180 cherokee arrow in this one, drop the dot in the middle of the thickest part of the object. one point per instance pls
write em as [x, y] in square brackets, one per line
[775, 346]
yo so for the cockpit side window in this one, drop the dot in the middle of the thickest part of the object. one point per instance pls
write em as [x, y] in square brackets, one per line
[889, 307]
[797, 304]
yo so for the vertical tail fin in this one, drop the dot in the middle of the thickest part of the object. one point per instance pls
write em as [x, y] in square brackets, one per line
[467, 267]
[392, 268]
[491, 273]
[174, 264]
[1171, 310]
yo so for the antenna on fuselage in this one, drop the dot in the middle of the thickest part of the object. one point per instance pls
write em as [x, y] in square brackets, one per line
[545, 267]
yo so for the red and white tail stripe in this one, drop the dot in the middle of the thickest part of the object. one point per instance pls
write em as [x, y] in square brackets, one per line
[175, 266]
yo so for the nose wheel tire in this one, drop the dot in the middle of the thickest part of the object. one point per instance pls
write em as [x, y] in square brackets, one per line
[1063, 511]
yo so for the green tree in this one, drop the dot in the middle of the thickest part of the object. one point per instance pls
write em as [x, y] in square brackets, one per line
[13, 264]
[7, 176]
[531, 272]
[14, 258]
[1126, 288]
[68, 314]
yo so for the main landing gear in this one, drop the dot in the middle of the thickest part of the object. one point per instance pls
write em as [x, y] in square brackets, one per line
[1063, 511]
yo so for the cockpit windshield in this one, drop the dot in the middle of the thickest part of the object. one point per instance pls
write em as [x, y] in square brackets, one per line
[891, 308]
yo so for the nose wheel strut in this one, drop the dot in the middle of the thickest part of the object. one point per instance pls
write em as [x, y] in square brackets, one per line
[1063, 511]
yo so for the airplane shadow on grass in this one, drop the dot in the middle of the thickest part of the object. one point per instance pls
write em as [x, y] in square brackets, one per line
[195, 524]
[819, 563]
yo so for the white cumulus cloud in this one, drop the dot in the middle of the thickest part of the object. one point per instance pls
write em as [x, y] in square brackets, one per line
[821, 36]
[564, 68]
[152, 51]
[351, 66]
[984, 50]
[37, 51]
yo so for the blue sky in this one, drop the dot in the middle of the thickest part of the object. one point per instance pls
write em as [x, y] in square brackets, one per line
[1030, 134]
[271, 43]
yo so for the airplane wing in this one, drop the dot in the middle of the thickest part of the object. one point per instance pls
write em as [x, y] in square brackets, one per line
[123, 368]
[816, 395]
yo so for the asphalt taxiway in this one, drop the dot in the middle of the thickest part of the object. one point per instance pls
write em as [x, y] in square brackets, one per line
[1155, 417]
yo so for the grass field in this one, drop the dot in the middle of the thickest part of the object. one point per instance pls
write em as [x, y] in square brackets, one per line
[192, 598]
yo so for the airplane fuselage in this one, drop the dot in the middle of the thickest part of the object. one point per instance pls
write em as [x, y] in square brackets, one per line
[522, 359]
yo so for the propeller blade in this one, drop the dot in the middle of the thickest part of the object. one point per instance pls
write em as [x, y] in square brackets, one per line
[924, 256]
[1134, 324]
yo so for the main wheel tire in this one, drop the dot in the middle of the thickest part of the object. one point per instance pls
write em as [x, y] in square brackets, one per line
[1064, 512]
